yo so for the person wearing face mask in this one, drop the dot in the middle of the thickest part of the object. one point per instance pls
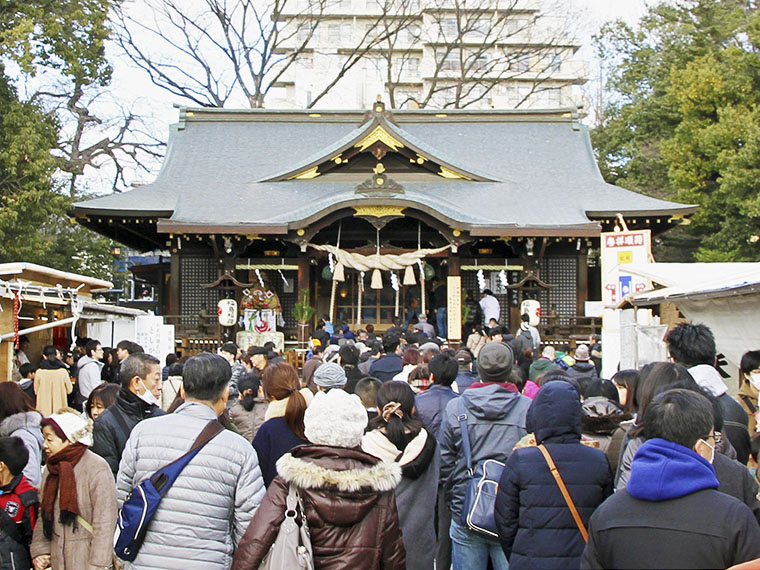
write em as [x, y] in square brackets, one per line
[749, 386]
[138, 399]
[671, 514]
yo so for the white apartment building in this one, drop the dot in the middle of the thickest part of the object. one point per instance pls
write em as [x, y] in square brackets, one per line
[473, 54]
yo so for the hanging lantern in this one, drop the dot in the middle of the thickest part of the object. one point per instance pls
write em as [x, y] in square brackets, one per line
[409, 276]
[327, 273]
[377, 280]
[338, 273]
[228, 312]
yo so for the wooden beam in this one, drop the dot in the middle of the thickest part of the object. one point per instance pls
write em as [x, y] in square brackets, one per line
[173, 304]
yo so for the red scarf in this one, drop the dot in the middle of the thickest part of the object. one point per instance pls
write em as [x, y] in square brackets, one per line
[61, 476]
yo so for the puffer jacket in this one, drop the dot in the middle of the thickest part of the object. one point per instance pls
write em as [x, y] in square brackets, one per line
[535, 525]
[26, 426]
[431, 405]
[248, 423]
[601, 422]
[350, 508]
[416, 494]
[495, 423]
[109, 435]
[203, 515]
[580, 369]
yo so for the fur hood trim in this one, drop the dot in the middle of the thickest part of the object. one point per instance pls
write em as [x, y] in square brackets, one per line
[308, 475]
[22, 420]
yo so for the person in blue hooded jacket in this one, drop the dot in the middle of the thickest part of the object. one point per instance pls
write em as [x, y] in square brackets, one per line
[535, 525]
[671, 514]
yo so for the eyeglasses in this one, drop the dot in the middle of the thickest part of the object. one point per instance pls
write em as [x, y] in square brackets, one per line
[716, 436]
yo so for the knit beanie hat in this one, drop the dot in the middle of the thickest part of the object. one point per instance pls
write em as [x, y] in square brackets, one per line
[581, 353]
[335, 418]
[330, 375]
[70, 426]
[495, 362]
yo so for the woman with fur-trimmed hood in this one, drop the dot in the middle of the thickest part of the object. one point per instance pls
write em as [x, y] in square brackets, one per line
[397, 436]
[347, 494]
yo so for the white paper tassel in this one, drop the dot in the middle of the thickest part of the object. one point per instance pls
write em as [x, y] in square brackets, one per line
[261, 281]
[409, 276]
[481, 280]
[377, 280]
[394, 281]
[503, 278]
[331, 261]
[338, 274]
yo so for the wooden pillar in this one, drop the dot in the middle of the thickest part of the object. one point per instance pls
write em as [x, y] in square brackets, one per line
[6, 346]
[454, 264]
[582, 287]
[303, 275]
[174, 304]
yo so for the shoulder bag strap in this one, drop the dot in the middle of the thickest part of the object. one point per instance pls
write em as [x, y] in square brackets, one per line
[120, 419]
[210, 431]
[462, 419]
[565, 492]
[747, 400]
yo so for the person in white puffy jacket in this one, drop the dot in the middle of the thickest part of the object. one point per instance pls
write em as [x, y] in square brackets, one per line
[207, 510]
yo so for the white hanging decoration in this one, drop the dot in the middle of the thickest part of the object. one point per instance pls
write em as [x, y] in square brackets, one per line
[377, 280]
[503, 278]
[285, 281]
[339, 274]
[481, 280]
[331, 261]
[361, 280]
[261, 281]
[394, 281]
[409, 276]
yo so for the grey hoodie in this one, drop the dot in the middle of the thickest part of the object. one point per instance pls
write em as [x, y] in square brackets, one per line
[495, 423]
[26, 426]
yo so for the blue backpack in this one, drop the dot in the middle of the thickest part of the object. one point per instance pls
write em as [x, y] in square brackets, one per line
[142, 503]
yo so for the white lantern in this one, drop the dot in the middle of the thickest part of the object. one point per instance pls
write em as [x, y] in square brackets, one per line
[532, 308]
[228, 312]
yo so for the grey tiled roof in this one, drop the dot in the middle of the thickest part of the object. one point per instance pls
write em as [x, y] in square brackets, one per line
[543, 171]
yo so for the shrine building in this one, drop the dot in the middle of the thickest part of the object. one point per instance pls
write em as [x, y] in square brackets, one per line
[512, 200]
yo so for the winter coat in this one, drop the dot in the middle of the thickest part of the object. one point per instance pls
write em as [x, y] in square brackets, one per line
[248, 423]
[736, 480]
[88, 376]
[238, 369]
[539, 367]
[431, 405]
[350, 508]
[627, 453]
[19, 502]
[416, 494]
[581, 368]
[386, 367]
[523, 340]
[735, 419]
[73, 548]
[273, 440]
[475, 342]
[353, 375]
[601, 422]
[535, 525]
[495, 423]
[26, 426]
[52, 385]
[205, 512]
[464, 379]
[747, 398]
[170, 390]
[109, 434]
[671, 515]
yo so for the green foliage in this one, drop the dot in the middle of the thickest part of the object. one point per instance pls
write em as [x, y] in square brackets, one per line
[34, 225]
[303, 311]
[684, 121]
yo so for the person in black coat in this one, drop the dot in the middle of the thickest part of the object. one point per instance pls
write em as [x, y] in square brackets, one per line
[535, 525]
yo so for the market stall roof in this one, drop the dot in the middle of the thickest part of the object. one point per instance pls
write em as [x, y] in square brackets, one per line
[490, 172]
[690, 281]
[41, 275]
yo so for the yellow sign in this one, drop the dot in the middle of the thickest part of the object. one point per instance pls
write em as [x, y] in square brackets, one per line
[625, 257]
[454, 307]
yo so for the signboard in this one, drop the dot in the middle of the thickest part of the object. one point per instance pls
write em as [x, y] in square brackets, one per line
[260, 321]
[454, 307]
[621, 248]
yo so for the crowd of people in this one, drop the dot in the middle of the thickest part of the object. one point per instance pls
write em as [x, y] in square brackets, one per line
[374, 450]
